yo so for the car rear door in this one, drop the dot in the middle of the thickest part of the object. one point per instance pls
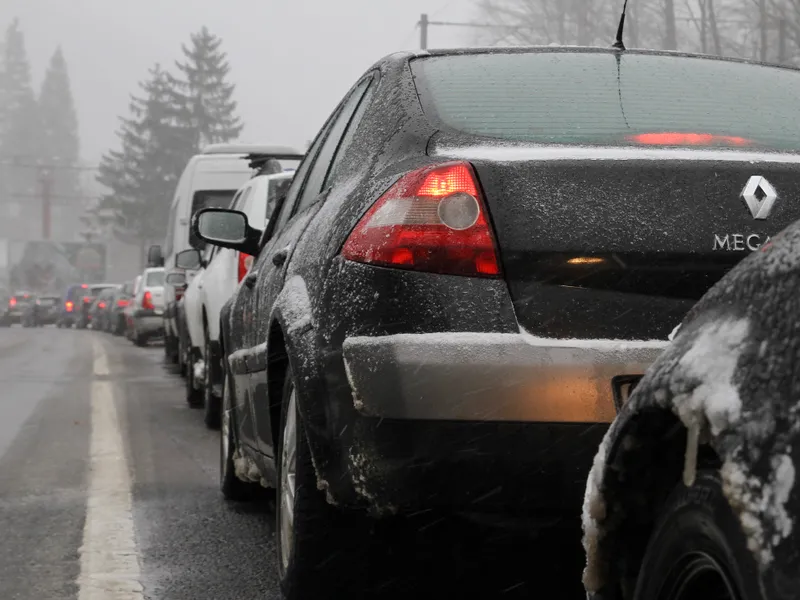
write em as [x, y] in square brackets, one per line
[306, 195]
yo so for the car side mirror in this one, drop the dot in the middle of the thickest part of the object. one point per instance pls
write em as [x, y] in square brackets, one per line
[189, 259]
[155, 258]
[226, 228]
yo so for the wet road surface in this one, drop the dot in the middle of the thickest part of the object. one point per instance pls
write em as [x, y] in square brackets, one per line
[108, 490]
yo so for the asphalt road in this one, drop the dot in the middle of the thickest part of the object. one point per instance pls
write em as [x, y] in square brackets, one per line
[108, 491]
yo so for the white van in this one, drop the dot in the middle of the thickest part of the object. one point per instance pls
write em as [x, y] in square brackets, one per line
[210, 179]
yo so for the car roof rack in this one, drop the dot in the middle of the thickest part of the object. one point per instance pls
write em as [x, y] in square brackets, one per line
[277, 152]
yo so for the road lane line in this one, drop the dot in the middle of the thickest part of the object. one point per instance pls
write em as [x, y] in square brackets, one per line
[109, 559]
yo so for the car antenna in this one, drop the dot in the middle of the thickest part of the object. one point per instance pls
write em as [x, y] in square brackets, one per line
[618, 44]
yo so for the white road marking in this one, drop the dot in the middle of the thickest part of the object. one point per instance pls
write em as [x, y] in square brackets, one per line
[109, 559]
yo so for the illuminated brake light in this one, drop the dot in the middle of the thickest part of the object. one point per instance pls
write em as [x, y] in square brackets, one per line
[673, 138]
[86, 299]
[147, 301]
[68, 305]
[245, 262]
[101, 304]
[433, 219]
[12, 302]
[84, 286]
[122, 303]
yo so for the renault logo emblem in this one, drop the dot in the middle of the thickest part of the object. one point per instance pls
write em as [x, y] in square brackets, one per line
[760, 205]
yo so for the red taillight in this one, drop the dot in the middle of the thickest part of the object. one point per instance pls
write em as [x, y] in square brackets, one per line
[147, 301]
[122, 303]
[101, 304]
[245, 262]
[179, 293]
[68, 305]
[433, 219]
[87, 300]
[12, 302]
[674, 138]
[84, 286]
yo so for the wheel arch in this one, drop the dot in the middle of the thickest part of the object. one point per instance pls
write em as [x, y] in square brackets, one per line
[292, 341]
[645, 461]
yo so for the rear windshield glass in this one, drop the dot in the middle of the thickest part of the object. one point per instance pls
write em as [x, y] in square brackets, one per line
[95, 291]
[47, 301]
[22, 299]
[155, 279]
[209, 199]
[587, 98]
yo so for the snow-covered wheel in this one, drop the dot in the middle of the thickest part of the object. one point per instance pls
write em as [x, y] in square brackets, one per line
[232, 487]
[318, 545]
[211, 401]
[698, 549]
[194, 397]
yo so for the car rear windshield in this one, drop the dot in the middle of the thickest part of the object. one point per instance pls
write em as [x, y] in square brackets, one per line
[154, 279]
[599, 98]
[97, 290]
[48, 301]
[23, 299]
[209, 199]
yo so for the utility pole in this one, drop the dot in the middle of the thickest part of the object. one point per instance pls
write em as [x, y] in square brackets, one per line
[46, 181]
[782, 41]
[423, 31]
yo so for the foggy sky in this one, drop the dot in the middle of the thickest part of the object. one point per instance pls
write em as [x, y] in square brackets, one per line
[292, 60]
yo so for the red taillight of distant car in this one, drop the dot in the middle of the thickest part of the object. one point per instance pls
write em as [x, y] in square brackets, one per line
[122, 303]
[147, 301]
[69, 305]
[245, 262]
[101, 304]
[433, 219]
[87, 300]
[12, 302]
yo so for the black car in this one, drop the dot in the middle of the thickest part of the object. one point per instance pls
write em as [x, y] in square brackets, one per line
[15, 308]
[480, 255]
[42, 311]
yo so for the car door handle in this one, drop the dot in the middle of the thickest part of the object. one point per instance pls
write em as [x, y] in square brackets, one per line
[279, 258]
[250, 279]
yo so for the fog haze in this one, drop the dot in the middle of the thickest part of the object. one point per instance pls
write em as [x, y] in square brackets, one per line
[291, 61]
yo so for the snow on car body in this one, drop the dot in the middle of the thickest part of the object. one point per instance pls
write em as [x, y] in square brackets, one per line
[481, 252]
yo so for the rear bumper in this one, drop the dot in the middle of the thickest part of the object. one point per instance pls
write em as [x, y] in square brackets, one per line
[148, 322]
[479, 422]
[491, 377]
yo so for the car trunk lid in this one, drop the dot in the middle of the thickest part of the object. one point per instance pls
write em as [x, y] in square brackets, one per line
[622, 247]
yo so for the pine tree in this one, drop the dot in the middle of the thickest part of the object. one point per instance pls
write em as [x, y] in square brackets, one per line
[204, 98]
[20, 140]
[143, 173]
[60, 144]
[59, 120]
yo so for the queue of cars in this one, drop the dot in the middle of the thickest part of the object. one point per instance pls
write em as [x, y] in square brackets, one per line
[449, 300]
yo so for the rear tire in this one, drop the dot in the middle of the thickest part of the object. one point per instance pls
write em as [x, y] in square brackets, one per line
[211, 402]
[233, 488]
[697, 549]
[317, 544]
